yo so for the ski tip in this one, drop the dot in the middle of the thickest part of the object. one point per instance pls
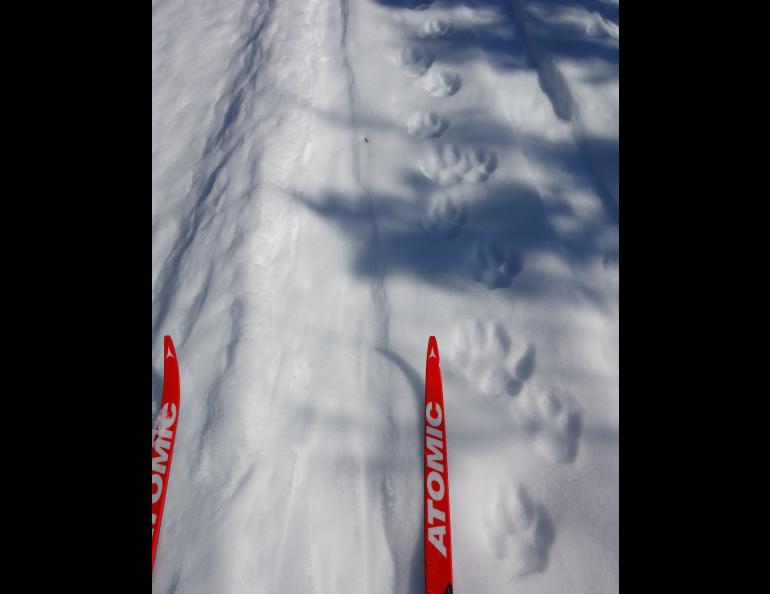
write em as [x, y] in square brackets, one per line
[168, 348]
[433, 348]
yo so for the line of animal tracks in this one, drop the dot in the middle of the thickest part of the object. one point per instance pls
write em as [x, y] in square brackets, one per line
[333, 183]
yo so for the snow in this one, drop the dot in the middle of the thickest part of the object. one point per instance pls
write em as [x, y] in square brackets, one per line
[300, 270]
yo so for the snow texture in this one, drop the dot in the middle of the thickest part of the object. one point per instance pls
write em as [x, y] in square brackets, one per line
[333, 183]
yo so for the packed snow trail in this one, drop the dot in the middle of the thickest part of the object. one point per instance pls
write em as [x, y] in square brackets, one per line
[333, 182]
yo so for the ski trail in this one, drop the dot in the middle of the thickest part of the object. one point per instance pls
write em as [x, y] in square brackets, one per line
[376, 252]
[255, 411]
[374, 370]
[361, 498]
[206, 195]
[383, 491]
[287, 402]
[201, 285]
[305, 404]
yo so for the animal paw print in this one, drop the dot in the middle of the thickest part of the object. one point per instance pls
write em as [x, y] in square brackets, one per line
[558, 425]
[427, 124]
[519, 532]
[445, 218]
[484, 352]
[415, 61]
[442, 84]
[452, 164]
[495, 264]
[435, 29]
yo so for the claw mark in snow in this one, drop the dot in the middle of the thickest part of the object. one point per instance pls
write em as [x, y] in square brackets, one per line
[427, 124]
[442, 84]
[452, 164]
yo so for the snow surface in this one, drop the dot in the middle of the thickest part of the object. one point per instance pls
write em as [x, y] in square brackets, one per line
[334, 182]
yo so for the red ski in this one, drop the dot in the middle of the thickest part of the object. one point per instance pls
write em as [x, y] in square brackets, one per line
[164, 437]
[438, 532]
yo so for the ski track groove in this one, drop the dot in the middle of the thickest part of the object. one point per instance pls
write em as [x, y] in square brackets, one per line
[218, 150]
[212, 208]
[204, 176]
[361, 495]
[377, 253]
[367, 364]
[290, 504]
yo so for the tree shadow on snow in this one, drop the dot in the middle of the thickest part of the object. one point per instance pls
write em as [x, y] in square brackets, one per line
[606, 8]
[508, 221]
[508, 45]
